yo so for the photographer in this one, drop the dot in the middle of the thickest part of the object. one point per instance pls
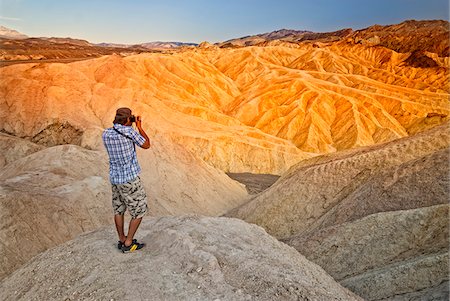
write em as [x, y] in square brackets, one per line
[127, 190]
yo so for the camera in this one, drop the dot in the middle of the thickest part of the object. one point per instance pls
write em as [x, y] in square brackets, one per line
[133, 118]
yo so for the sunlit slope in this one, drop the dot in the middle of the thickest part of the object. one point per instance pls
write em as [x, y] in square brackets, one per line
[33, 97]
[324, 98]
[258, 109]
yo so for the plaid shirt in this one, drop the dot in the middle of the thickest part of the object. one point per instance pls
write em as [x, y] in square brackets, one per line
[123, 164]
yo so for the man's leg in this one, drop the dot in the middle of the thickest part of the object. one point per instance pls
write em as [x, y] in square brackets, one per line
[119, 208]
[119, 221]
[134, 225]
[137, 206]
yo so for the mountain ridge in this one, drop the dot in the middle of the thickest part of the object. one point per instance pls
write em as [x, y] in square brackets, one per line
[287, 35]
[390, 36]
[407, 36]
[8, 33]
[151, 45]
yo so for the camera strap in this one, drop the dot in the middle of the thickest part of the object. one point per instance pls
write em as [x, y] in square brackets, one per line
[120, 133]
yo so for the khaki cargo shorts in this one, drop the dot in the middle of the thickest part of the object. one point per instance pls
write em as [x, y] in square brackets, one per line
[129, 196]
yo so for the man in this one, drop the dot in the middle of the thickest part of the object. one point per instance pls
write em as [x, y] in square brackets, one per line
[127, 190]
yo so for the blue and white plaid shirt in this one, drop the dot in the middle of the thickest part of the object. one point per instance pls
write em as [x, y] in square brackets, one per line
[123, 163]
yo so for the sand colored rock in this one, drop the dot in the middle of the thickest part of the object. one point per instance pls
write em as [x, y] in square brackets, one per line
[417, 279]
[417, 183]
[354, 183]
[385, 254]
[251, 109]
[49, 197]
[12, 148]
[372, 217]
[54, 194]
[187, 258]
[254, 183]
[180, 183]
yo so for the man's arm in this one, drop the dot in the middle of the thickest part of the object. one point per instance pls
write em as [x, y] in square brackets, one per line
[142, 132]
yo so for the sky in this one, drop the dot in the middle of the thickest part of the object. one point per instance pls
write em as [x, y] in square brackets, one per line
[140, 21]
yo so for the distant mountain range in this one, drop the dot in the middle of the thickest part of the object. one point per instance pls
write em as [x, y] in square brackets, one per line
[77, 42]
[285, 35]
[150, 45]
[7, 33]
[11, 34]
[410, 36]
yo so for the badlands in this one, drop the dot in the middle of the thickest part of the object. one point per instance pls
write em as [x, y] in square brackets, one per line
[356, 127]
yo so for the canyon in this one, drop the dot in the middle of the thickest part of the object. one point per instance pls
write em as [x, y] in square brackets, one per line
[351, 128]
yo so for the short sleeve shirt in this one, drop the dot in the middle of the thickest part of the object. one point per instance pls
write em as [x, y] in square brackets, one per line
[123, 163]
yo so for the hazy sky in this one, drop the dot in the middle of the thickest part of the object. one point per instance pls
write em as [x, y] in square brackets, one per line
[138, 21]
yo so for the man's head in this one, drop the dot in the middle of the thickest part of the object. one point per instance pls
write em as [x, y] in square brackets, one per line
[124, 116]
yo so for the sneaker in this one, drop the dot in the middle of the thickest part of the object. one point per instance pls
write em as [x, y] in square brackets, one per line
[120, 244]
[133, 247]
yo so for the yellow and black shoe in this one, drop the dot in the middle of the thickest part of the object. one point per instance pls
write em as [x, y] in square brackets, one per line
[133, 247]
[120, 244]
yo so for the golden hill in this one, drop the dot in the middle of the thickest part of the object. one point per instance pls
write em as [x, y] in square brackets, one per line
[257, 109]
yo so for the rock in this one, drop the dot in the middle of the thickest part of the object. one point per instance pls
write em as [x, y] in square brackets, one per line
[372, 41]
[421, 60]
[345, 186]
[240, 262]
[262, 109]
[207, 45]
[410, 35]
[13, 148]
[254, 183]
[179, 183]
[49, 197]
[375, 218]
[57, 134]
[90, 139]
[341, 182]
[422, 278]
[421, 182]
[384, 255]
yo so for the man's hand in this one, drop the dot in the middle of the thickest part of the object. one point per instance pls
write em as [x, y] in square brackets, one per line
[142, 132]
[138, 122]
